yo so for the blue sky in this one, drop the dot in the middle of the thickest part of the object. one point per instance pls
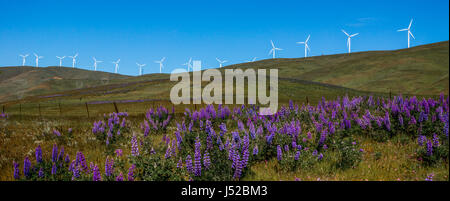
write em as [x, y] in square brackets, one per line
[145, 31]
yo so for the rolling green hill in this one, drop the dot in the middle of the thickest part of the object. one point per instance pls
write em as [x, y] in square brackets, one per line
[421, 70]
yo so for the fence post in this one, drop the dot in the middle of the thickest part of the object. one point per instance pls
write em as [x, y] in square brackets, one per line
[87, 108]
[59, 105]
[115, 107]
[39, 106]
[3, 108]
[307, 100]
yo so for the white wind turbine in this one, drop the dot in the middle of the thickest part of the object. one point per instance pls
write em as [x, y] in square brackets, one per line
[306, 45]
[116, 63]
[161, 64]
[252, 60]
[73, 59]
[272, 51]
[140, 68]
[349, 40]
[188, 64]
[37, 59]
[409, 31]
[95, 63]
[221, 62]
[60, 60]
[24, 58]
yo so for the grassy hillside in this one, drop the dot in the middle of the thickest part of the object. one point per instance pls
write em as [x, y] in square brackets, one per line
[419, 70]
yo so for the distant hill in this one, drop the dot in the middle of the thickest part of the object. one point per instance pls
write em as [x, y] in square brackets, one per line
[421, 70]
[18, 82]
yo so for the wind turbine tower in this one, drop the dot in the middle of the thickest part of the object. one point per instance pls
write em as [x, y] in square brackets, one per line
[140, 68]
[188, 64]
[272, 51]
[161, 64]
[306, 46]
[60, 60]
[37, 59]
[221, 62]
[349, 43]
[116, 63]
[24, 58]
[409, 31]
[74, 59]
[95, 63]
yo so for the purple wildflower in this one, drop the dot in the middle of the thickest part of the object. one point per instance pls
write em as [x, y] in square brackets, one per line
[131, 172]
[279, 153]
[206, 160]
[96, 176]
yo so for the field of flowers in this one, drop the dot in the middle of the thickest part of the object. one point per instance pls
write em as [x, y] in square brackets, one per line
[332, 140]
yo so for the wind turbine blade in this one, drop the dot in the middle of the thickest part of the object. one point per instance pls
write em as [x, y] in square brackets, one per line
[218, 60]
[411, 34]
[300, 42]
[307, 38]
[308, 47]
[271, 42]
[270, 52]
[402, 30]
[345, 32]
[410, 23]
[224, 61]
[164, 58]
[354, 34]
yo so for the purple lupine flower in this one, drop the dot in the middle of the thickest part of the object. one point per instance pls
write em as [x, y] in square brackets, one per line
[56, 132]
[297, 155]
[38, 154]
[96, 176]
[119, 152]
[197, 158]
[412, 121]
[81, 160]
[314, 153]
[206, 160]
[436, 140]
[41, 173]
[134, 146]
[400, 120]
[320, 156]
[180, 163]
[286, 148]
[430, 177]
[54, 153]
[238, 169]
[54, 169]
[61, 154]
[421, 139]
[429, 148]
[189, 167]
[26, 167]
[109, 167]
[255, 150]
[131, 172]
[120, 177]
[223, 129]
[16, 170]
[67, 159]
[279, 153]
